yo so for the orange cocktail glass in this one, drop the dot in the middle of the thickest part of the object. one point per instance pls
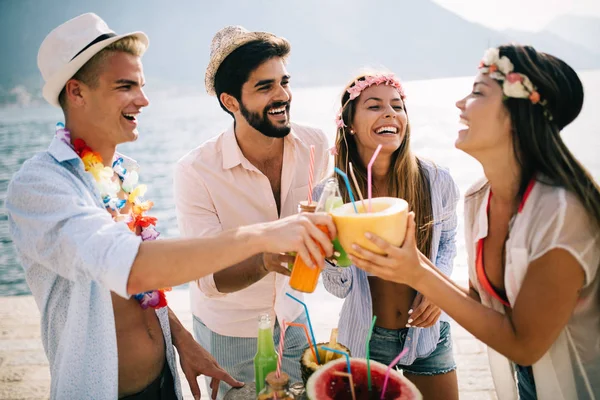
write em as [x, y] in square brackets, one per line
[304, 278]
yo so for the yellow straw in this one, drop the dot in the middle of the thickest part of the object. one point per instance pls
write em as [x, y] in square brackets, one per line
[362, 200]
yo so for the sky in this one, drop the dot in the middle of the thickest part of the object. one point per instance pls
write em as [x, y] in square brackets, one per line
[531, 15]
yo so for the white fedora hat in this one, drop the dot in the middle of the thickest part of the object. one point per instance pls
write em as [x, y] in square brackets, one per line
[67, 48]
[223, 44]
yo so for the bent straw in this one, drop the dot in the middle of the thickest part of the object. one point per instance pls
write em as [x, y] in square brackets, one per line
[369, 179]
[303, 326]
[343, 175]
[342, 353]
[369, 351]
[312, 333]
[362, 200]
[389, 368]
[349, 376]
[281, 347]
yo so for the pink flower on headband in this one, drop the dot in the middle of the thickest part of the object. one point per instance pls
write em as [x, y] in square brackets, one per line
[359, 85]
[333, 151]
[513, 77]
[339, 121]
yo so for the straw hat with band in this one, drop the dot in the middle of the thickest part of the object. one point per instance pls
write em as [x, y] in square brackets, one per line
[223, 44]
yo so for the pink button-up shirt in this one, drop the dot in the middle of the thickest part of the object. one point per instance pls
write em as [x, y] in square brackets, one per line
[217, 188]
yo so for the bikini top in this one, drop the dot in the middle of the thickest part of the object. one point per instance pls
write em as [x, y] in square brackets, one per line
[481, 275]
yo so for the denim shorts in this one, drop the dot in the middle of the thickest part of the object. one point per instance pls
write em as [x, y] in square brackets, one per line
[525, 383]
[387, 343]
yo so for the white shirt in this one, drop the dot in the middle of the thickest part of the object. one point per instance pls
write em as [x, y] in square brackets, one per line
[74, 255]
[217, 188]
[552, 218]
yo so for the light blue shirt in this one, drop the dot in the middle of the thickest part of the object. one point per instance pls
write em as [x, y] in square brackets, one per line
[74, 255]
[352, 284]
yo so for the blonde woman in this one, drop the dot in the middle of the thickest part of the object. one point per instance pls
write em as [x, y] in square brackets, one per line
[374, 113]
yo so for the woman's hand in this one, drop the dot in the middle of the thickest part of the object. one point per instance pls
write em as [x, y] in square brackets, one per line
[400, 264]
[423, 313]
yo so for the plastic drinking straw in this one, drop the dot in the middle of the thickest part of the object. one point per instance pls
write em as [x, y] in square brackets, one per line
[281, 339]
[303, 326]
[369, 179]
[311, 173]
[369, 351]
[342, 353]
[349, 376]
[362, 200]
[312, 333]
[343, 175]
[389, 368]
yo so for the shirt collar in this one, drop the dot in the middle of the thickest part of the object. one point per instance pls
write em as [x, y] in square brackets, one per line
[481, 229]
[63, 152]
[232, 154]
[481, 224]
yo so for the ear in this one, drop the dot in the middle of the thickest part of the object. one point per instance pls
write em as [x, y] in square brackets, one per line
[74, 90]
[230, 102]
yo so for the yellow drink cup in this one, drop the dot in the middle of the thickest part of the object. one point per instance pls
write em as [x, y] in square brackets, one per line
[387, 220]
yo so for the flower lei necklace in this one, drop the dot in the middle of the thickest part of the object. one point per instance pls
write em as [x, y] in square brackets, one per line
[139, 223]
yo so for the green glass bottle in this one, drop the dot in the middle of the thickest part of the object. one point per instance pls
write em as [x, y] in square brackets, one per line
[265, 360]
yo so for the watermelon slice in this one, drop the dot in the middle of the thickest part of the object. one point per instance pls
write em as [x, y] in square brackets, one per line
[324, 384]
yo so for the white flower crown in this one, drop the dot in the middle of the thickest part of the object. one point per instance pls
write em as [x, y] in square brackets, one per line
[514, 84]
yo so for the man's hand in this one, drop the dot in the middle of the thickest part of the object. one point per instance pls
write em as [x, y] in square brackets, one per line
[196, 361]
[273, 263]
[424, 313]
[299, 233]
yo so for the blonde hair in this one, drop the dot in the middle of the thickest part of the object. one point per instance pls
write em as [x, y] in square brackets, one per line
[89, 72]
[407, 178]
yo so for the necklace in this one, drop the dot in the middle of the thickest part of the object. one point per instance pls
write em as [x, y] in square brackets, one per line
[136, 219]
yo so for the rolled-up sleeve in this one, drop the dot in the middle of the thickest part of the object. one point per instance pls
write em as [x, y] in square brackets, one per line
[196, 214]
[447, 248]
[51, 224]
[337, 280]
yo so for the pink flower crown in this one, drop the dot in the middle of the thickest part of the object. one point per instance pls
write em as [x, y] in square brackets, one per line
[514, 84]
[359, 85]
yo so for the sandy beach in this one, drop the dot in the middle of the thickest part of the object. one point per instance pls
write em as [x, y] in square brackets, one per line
[24, 372]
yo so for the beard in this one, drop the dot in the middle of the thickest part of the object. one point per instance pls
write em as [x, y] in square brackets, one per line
[262, 123]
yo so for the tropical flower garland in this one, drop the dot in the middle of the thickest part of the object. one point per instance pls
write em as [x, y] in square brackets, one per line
[138, 222]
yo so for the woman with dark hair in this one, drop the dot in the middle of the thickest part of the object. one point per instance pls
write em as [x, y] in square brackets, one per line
[532, 233]
[373, 112]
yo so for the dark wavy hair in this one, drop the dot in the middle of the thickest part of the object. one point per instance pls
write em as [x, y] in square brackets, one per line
[538, 146]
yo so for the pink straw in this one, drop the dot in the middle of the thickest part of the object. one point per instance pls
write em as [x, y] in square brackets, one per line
[362, 200]
[389, 368]
[281, 339]
[369, 179]
[311, 173]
